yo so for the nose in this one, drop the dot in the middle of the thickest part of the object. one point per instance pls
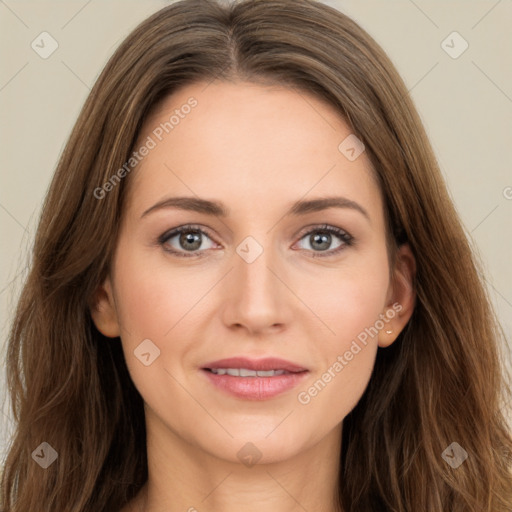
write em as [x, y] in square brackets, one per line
[255, 296]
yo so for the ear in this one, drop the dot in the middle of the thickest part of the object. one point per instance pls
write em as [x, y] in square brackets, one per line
[401, 296]
[103, 310]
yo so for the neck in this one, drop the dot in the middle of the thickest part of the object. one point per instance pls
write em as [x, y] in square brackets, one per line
[185, 477]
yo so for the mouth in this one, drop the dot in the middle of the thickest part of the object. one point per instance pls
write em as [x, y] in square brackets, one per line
[245, 372]
[252, 379]
[246, 364]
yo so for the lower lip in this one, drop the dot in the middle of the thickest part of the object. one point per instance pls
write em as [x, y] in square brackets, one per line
[256, 388]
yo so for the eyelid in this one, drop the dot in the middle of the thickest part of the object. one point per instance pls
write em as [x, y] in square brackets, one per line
[184, 227]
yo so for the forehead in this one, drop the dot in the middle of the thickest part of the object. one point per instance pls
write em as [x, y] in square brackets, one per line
[249, 145]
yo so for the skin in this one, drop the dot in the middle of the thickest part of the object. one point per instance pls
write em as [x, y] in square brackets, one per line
[257, 149]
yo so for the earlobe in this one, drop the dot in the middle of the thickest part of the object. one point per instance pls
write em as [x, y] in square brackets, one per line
[103, 310]
[402, 296]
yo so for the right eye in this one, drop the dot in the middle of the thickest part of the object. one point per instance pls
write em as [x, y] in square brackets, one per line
[189, 239]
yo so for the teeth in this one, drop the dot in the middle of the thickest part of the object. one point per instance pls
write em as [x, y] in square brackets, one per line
[244, 372]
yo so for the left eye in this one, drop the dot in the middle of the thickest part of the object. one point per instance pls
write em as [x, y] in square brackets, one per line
[320, 237]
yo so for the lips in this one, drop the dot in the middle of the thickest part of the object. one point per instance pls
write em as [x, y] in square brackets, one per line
[266, 364]
[254, 379]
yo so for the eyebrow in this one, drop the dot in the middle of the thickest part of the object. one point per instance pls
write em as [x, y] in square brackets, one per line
[218, 209]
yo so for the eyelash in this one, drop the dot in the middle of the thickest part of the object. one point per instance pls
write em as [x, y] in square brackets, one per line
[347, 239]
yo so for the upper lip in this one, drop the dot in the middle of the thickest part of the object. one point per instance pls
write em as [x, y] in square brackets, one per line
[265, 364]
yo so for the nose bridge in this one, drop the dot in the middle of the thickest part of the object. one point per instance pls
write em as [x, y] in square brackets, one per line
[256, 295]
[254, 257]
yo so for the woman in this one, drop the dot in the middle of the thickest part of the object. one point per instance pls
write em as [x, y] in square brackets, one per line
[251, 289]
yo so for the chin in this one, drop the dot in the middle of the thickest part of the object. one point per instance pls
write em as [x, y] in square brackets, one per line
[256, 447]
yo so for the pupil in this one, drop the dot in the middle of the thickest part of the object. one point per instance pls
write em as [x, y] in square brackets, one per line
[188, 238]
[323, 238]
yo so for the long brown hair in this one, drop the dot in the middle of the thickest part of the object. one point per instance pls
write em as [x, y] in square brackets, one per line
[440, 382]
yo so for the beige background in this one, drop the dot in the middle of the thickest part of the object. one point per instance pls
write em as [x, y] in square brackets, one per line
[465, 103]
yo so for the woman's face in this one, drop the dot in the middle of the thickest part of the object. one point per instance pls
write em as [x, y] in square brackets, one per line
[266, 279]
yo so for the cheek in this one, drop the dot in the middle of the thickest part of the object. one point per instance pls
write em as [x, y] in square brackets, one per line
[154, 303]
[352, 310]
[154, 297]
[347, 357]
[350, 299]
